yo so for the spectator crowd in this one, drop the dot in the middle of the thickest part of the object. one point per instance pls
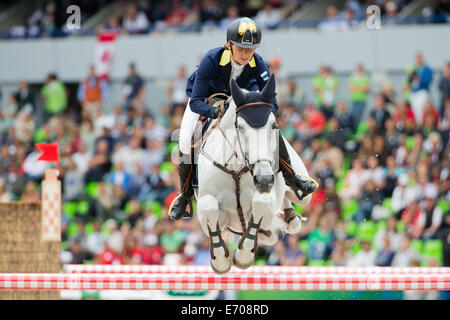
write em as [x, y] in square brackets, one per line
[49, 18]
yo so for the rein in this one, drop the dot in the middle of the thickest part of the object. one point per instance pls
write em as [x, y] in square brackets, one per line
[215, 125]
[253, 104]
[215, 95]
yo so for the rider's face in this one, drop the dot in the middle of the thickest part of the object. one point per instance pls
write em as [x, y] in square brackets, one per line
[242, 56]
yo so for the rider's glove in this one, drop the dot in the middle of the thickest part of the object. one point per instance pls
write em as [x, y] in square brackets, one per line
[214, 112]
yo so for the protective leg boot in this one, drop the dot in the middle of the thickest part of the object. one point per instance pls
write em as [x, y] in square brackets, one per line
[177, 209]
[295, 181]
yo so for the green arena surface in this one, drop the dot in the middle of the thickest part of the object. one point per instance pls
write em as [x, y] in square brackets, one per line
[319, 295]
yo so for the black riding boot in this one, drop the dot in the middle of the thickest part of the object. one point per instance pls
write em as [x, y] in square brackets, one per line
[296, 182]
[177, 209]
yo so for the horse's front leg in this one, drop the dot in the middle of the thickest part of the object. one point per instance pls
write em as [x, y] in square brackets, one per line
[262, 216]
[208, 212]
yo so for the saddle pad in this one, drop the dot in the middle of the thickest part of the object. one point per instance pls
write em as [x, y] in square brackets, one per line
[205, 126]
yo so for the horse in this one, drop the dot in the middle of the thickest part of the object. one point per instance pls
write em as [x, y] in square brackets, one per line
[240, 188]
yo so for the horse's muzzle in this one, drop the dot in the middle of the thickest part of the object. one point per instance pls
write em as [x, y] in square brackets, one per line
[263, 183]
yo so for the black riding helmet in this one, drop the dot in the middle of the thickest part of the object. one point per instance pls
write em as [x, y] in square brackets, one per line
[244, 33]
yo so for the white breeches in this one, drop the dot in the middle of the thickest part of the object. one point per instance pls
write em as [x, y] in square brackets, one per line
[188, 123]
[299, 168]
[296, 162]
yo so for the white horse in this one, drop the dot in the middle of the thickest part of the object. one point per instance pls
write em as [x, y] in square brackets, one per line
[239, 187]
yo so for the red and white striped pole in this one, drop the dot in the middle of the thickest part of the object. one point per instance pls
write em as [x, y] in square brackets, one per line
[190, 269]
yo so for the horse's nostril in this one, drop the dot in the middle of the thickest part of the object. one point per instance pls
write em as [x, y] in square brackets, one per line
[263, 182]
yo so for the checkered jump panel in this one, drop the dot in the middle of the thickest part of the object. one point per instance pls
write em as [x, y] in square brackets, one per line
[232, 281]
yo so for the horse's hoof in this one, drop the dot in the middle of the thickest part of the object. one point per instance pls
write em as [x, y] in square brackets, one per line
[217, 271]
[242, 266]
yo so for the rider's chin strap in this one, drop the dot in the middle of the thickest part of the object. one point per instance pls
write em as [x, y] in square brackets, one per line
[232, 54]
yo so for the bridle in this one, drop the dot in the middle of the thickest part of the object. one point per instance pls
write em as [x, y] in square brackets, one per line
[236, 175]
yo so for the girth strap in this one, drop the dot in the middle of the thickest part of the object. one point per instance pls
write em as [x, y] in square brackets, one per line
[267, 233]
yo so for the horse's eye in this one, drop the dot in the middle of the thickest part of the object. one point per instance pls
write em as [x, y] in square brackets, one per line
[275, 126]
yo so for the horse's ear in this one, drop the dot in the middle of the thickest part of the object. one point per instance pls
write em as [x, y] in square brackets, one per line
[236, 93]
[269, 89]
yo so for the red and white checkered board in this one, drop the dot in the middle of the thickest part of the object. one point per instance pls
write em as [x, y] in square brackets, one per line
[242, 281]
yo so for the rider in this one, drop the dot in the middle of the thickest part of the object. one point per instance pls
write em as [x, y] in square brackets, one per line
[236, 60]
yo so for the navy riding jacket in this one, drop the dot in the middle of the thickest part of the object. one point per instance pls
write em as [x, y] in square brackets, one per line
[213, 76]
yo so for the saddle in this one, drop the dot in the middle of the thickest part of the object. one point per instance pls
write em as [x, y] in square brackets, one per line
[200, 133]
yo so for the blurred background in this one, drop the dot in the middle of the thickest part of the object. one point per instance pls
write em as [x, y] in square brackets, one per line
[367, 110]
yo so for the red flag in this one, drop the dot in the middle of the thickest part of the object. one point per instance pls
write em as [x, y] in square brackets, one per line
[104, 53]
[49, 152]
